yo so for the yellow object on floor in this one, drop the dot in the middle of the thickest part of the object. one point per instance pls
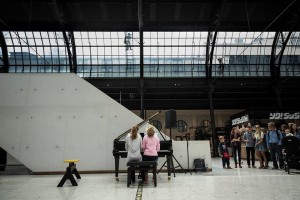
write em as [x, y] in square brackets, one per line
[69, 161]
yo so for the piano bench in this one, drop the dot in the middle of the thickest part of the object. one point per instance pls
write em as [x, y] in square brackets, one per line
[70, 170]
[141, 165]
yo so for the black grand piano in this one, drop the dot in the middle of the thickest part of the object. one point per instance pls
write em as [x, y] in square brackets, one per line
[119, 149]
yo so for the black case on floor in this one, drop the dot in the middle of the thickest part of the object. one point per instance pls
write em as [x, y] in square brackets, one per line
[200, 165]
[3, 159]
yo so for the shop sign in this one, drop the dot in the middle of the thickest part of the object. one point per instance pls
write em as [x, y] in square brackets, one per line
[285, 115]
[240, 120]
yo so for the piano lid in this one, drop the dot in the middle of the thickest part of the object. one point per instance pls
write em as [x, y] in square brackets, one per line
[123, 135]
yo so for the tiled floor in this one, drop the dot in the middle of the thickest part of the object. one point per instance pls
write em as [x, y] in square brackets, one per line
[242, 184]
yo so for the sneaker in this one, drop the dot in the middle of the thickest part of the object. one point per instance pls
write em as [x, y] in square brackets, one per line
[253, 166]
[228, 167]
[240, 166]
[249, 166]
[224, 167]
[274, 168]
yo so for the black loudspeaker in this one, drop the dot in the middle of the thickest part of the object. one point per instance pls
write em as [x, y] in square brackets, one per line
[170, 119]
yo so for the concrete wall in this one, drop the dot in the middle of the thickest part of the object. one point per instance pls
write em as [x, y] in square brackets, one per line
[46, 118]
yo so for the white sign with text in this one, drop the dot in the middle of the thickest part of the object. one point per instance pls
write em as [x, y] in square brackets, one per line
[240, 120]
[284, 115]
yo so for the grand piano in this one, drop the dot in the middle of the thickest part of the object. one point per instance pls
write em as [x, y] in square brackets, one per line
[119, 149]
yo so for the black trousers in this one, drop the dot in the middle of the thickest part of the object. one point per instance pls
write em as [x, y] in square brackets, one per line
[147, 158]
[236, 152]
[250, 151]
[275, 148]
[225, 161]
[268, 157]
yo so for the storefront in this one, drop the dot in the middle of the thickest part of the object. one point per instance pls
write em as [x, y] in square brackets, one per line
[263, 116]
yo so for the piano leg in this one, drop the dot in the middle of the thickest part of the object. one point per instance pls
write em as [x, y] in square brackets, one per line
[117, 159]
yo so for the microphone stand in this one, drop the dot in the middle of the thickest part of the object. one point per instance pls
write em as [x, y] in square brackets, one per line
[188, 154]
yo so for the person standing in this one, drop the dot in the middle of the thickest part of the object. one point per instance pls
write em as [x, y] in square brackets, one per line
[224, 153]
[249, 139]
[293, 129]
[235, 139]
[133, 146]
[260, 147]
[127, 41]
[273, 139]
[268, 156]
[283, 127]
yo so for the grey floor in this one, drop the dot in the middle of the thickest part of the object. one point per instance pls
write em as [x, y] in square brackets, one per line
[219, 184]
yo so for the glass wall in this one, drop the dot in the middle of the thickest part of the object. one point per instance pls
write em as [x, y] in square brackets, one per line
[36, 52]
[242, 54]
[166, 54]
[174, 54]
[290, 65]
[107, 54]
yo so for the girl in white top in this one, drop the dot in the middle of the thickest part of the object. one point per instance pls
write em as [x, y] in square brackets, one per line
[260, 147]
[133, 144]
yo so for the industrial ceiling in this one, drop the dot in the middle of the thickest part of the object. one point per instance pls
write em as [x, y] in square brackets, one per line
[170, 15]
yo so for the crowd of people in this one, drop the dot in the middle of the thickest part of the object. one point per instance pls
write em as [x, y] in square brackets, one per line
[263, 142]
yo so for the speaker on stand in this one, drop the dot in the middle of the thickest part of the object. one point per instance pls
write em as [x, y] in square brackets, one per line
[171, 122]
